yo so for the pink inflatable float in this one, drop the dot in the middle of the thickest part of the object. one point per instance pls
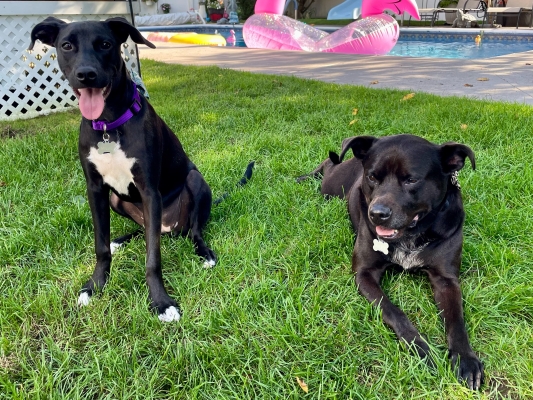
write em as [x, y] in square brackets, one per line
[376, 33]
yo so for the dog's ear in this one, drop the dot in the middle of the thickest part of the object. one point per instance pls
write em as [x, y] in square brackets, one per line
[453, 156]
[122, 29]
[359, 145]
[334, 157]
[46, 31]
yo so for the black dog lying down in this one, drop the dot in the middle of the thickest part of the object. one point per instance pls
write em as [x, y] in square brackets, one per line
[405, 205]
[126, 148]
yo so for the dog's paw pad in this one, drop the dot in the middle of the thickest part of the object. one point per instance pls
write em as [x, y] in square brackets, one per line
[170, 314]
[209, 263]
[83, 299]
[114, 246]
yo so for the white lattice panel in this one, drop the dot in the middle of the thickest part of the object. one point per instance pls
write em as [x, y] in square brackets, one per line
[31, 83]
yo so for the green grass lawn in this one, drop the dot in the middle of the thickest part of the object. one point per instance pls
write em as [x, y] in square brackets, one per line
[281, 303]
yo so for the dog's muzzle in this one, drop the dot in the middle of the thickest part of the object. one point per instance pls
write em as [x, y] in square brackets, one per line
[391, 233]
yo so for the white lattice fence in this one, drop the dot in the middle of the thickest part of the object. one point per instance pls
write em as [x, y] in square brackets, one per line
[31, 83]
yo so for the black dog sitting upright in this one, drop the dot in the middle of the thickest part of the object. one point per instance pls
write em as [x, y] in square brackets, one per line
[125, 147]
[405, 205]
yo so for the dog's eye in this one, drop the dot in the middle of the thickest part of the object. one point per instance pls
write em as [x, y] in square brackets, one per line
[411, 181]
[66, 46]
[372, 178]
[106, 45]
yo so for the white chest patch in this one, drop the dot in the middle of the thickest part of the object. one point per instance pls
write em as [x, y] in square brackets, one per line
[115, 168]
[408, 258]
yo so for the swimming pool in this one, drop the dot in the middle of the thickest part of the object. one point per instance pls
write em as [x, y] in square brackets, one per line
[460, 45]
[436, 44]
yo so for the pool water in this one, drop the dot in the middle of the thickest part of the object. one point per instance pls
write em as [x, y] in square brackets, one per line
[461, 49]
[438, 45]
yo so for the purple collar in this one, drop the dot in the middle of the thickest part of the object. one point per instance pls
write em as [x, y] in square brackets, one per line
[130, 112]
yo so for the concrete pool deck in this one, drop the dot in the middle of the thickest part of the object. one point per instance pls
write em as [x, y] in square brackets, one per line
[505, 78]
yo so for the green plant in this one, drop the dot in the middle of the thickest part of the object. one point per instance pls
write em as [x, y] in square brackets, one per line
[218, 4]
[447, 3]
[246, 8]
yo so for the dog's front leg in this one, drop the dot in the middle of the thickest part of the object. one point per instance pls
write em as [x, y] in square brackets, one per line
[166, 308]
[98, 196]
[447, 293]
[368, 269]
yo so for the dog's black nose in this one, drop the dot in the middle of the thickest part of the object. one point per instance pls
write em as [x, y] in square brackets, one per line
[379, 212]
[86, 74]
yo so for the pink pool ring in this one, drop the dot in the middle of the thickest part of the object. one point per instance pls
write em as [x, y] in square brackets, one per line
[376, 33]
[277, 32]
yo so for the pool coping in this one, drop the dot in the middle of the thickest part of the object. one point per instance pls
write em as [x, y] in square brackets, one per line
[489, 32]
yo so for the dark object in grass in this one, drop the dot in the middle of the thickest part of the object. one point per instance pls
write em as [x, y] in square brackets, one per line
[243, 181]
[141, 171]
[405, 204]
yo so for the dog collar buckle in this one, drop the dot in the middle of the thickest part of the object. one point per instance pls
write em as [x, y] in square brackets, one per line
[136, 105]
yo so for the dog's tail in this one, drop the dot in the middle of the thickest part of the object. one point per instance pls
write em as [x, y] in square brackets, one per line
[318, 173]
[244, 180]
[121, 241]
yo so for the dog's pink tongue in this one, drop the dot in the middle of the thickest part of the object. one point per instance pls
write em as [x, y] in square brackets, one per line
[382, 231]
[91, 102]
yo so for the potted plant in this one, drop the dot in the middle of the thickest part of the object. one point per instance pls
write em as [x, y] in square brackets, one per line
[215, 7]
[165, 7]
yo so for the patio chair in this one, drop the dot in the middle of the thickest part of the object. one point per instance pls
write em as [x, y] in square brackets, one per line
[466, 6]
[513, 7]
[432, 13]
[427, 12]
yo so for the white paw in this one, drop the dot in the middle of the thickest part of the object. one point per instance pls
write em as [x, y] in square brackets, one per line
[171, 314]
[84, 299]
[114, 247]
[209, 263]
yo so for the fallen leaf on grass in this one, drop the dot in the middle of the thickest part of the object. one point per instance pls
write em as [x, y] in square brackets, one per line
[355, 111]
[468, 85]
[374, 82]
[464, 126]
[353, 121]
[408, 96]
[2, 184]
[482, 79]
[302, 384]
